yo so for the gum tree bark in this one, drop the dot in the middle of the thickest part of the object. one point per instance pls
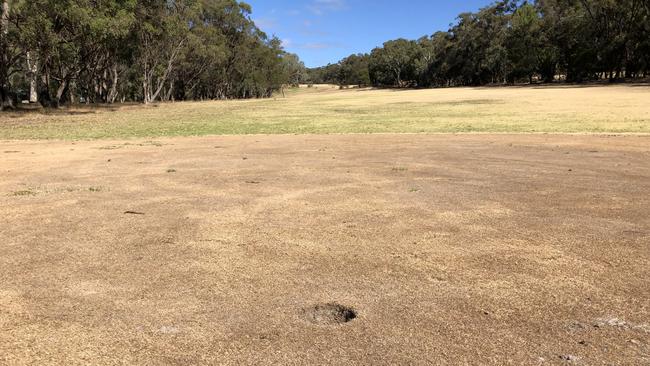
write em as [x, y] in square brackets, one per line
[5, 99]
[150, 88]
[32, 70]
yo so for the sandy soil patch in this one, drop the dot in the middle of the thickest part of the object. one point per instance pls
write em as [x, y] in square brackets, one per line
[490, 249]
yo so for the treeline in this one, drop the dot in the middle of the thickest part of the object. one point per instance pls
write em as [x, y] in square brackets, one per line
[68, 51]
[512, 41]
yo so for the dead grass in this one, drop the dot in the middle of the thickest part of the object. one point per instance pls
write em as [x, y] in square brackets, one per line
[289, 257]
[322, 109]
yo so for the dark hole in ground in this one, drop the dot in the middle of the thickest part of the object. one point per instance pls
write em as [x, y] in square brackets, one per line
[330, 314]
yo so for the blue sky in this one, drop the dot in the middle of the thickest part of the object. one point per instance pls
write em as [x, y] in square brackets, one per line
[324, 31]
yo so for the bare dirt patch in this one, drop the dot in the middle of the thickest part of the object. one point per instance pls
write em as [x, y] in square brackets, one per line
[454, 249]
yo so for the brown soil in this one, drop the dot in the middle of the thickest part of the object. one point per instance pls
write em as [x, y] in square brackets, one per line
[468, 249]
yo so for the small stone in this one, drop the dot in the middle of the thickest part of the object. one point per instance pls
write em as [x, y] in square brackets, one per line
[569, 358]
[576, 326]
[168, 330]
[610, 322]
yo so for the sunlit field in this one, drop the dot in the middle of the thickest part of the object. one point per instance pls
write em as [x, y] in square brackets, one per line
[226, 182]
[325, 109]
[407, 246]
[360, 249]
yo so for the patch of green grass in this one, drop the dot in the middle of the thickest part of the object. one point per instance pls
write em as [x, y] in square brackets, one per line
[55, 190]
[610, 109]
[400, 169]
[26, 192]
[110, 147]
[146, 143]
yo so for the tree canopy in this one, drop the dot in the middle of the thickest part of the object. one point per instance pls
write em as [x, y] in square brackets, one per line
[59, 51]
[512, 41]
[68, 51]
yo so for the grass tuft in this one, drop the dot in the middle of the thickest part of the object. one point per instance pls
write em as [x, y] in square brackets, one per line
[25, 192]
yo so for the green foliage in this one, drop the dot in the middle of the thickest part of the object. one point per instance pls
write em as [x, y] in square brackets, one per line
[69, 51]
[139, 50]
[354, 70]
[394, 63]
[324, 75]
[512, 41]
[294, 70]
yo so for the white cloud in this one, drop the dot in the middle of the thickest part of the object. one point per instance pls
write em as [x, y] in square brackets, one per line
[266, 23]
[320, 7]
[319, 45]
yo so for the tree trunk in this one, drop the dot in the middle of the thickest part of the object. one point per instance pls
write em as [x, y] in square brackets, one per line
[112, 95]
[104, 87]
[145, 76]
[145, 91]
[32, 69]
[168, 70]
[152, 85]
[398, 76]
[59, 91]
[5, 17]
[145, 85]
[71, 92]
[168, 95]
[5, 98]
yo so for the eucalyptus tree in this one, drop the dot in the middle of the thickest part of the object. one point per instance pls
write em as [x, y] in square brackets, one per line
[525, 43]
[9, 55]
[294, 69]
[516, 40]
[394, 63]
[64, 51]
[433, 66]
[161, 31]
[353, 70]
[328, 74]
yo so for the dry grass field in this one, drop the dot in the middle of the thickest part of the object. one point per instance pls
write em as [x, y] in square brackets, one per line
[621, 109]
[340, 249]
